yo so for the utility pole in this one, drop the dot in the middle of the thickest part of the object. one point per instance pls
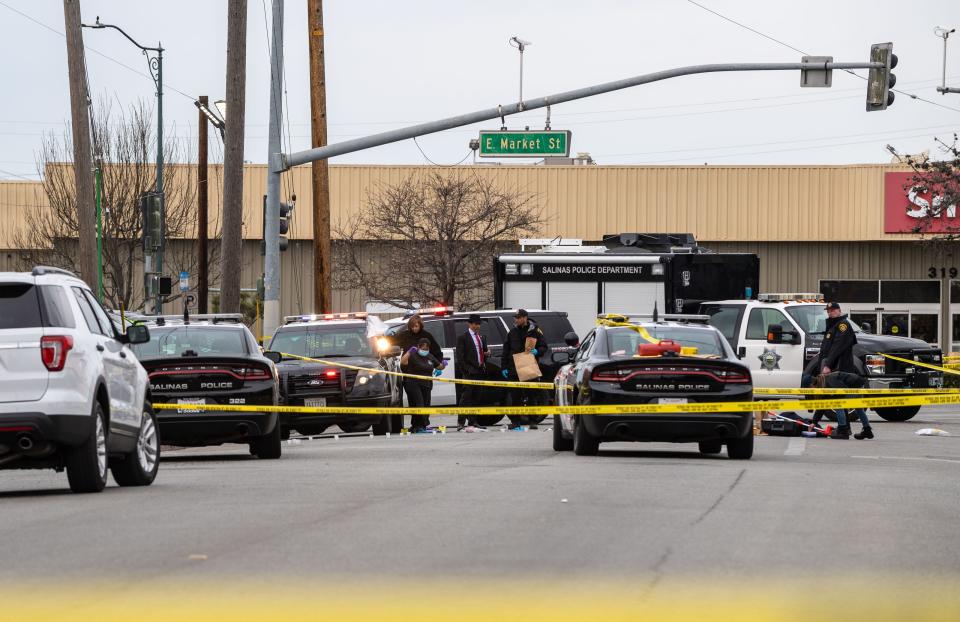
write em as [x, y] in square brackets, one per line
[231, 244]
[271, 228]
[322, 302]
[202, 209]
[80, 127]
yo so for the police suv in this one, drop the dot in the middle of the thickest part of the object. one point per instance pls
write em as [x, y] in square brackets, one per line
[778, 335]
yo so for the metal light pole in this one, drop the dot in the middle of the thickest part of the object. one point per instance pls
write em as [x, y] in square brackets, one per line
[521, 45]
[155, 64]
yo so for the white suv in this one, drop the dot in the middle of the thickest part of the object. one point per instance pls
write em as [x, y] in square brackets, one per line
[72, 393]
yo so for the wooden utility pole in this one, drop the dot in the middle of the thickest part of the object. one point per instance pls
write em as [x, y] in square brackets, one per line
[322, 302]
[231, 244]
[202, 208]
[80, 126]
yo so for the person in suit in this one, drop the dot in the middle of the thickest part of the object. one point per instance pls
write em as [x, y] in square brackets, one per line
[470, 357]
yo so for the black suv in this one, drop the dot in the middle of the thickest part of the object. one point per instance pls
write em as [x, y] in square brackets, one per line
[343, 338]
[212, 359]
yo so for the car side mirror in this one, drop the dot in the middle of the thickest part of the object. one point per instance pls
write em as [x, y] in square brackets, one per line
[774, 333]
[867, 327]
[742, 352]
[571, 339]
[560, 358]
[137, 333]
[276, 357]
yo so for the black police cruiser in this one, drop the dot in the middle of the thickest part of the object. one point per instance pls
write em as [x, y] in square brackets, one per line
[348, 338]
[642, 359]
[211, 359]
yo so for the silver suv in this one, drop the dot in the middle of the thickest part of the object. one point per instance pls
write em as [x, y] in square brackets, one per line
[72, 393]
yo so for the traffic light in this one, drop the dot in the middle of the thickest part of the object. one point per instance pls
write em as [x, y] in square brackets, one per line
[285, 209]
[151, 210]
[881, 81]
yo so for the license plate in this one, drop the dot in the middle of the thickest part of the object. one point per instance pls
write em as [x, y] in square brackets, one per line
[315, 402]
[672, 400]
[190, 402]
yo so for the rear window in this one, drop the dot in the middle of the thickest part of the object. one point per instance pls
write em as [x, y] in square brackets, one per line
[623, 342]
[554, 326]
[56, 307]
[191, 341]
[19, 307]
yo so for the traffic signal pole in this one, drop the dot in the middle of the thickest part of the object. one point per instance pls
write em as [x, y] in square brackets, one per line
[279, 162]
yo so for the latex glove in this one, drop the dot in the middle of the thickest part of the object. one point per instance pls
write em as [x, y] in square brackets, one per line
[412, 350]
[534, 352]
[437, 373]
[443, 364]
[505, 373]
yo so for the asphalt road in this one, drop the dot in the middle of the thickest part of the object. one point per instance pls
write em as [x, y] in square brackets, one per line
[503, 506]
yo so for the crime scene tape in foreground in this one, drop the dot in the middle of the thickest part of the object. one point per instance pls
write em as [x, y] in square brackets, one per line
[481, 383]
[606, 409]
[877, 392]
[919, 364]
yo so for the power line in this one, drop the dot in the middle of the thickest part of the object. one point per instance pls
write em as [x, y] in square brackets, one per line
[12, 174]
[434, 163]
[795, 49]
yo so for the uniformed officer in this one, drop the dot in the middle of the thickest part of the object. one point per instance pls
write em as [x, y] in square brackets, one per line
[525, 336]
[836, 355]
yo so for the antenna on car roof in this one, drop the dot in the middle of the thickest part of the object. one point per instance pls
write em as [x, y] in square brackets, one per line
[655, 312]
[186, 308]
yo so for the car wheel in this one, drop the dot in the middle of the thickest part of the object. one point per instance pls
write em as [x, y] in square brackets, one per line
[311, 430]
[741, 449]
[267, 447]
[139, 467]
[560, 442]
[711, 447]
[382, 427]
[352, 427]
[899, 413]
[583, 443]
[87, 464]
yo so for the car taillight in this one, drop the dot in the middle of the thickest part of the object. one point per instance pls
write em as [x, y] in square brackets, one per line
[254, 373]
[609, 375]
[731, 375]
[53, 351]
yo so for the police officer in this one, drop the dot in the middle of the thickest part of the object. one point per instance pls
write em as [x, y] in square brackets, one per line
[836, 355]
[525, 336]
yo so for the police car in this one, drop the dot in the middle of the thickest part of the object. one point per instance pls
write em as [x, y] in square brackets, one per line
[211, 359]
[353, 340]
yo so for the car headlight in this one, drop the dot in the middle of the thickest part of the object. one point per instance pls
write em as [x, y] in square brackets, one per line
[383, 344]
[876, 364]
[363, 378]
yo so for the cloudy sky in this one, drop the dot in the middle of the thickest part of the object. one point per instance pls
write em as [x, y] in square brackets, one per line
[391, 64]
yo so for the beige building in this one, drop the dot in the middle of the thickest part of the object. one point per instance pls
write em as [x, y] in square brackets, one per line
[836, 229]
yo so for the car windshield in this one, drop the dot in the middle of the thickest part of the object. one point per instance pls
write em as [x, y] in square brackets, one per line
[323, 341]
[192, 341]
[624, 341]
[813, 319]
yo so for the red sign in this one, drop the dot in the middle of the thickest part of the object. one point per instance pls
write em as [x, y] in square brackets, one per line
[908, 209]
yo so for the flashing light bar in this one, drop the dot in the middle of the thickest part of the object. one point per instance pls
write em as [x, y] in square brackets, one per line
[430, 311]
[315, 317]
[791, 297]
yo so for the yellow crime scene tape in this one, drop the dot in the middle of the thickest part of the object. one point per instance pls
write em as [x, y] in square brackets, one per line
[952, 397]
[919, 364]
[877, 392]
[482, 383]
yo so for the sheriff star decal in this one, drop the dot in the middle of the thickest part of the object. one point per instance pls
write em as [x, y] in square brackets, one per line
[770, 359]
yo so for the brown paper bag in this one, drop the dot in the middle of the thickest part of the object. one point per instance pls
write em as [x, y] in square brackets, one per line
[527, 368]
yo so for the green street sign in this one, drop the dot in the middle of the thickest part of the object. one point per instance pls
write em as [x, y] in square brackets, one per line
[525, 144]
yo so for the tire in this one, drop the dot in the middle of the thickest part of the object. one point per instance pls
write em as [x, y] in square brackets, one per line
[711, 447]
[560, 443]
[382, 427]
[139, 467]
[583, 443]
[741, 449]
[350, 427]
[898, 413]
[267, 447]
[311, 430]
[489, 420]
[87, 464]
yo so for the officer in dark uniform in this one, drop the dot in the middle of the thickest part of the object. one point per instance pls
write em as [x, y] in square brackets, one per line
[525, 336]
[836, 355]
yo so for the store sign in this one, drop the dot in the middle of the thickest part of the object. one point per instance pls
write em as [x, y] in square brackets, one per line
[907, 209]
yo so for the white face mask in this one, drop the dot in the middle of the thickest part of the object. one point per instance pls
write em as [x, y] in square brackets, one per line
[423, 352]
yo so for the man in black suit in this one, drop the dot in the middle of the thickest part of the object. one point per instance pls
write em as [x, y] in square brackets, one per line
[470, 357]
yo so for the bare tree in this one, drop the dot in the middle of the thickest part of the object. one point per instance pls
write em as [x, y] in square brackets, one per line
[940, 179]
[435, 238]
[122, 144]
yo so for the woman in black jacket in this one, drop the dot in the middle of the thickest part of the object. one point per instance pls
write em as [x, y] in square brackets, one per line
[406, 339]
[419, 361]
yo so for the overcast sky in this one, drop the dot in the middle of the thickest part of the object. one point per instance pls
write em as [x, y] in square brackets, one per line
[392, 63]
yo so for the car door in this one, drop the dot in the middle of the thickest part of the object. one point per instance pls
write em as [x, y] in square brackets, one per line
[115, 369]
[771, 364]
[574, 378]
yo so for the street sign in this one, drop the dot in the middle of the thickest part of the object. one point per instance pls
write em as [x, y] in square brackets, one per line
[524, 144]
[184, 281]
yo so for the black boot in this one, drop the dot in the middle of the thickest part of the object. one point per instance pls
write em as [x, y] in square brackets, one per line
[841, 432]
[865, 433]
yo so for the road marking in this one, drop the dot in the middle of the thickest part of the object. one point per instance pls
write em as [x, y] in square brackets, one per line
[907, 458]
[796, 447]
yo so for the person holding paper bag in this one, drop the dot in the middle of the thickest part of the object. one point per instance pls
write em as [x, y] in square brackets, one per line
[525, 344]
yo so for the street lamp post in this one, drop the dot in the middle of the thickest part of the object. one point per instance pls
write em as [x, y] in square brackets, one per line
[155, 62]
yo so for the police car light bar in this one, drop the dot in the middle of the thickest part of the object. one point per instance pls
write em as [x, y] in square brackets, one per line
[315, 317]
[662, 317]
[213, 318]
[791, 297]
[439, 311]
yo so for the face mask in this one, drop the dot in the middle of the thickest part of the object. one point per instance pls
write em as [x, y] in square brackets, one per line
[423, 352]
